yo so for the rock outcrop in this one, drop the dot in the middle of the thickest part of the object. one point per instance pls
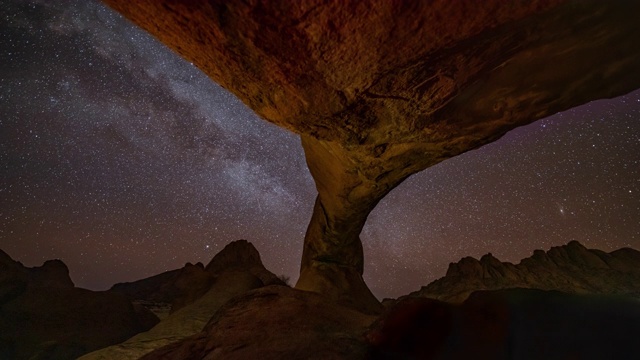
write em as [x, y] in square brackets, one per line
[571, 268]
[379, 90]
[43, 316]
[275, 322]
[182, 287]
[15, 278]
[509, 324]
[241, 255]
[158, 288]
[167, 292]
[232, 272]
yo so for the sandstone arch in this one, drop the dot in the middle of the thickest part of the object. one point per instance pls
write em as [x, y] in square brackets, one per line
[379, 90]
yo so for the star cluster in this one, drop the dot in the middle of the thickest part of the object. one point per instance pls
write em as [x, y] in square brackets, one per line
[124, 161]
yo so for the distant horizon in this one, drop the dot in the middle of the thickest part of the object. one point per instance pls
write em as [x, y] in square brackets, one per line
[292, 285]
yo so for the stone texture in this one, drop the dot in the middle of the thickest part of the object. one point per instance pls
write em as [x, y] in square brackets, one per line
[379, 90]
[571, 268]
[509, 324]
[235, 270]
[275, 322]
[43, 316]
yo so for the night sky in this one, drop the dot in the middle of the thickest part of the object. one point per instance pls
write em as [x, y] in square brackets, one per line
[124, 161]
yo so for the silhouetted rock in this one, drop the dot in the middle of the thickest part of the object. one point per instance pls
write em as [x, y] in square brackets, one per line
[13, 278]
[191, 283]
[156, 288]
[183, 286]
[201, 291]
[571, 268]
[167, 292]
[43, 316]
[380, 90]
[243, 255]
[53, 273]
[515, 324]
[275, 322]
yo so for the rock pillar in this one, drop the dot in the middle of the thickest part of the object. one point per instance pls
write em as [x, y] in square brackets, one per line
[333, 260]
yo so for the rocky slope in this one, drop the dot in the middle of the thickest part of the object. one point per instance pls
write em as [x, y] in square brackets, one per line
[43, 316]
[379, 90]
[198, 292]
[571, 268]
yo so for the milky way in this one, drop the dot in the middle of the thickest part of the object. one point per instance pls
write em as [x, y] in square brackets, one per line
[124, 160]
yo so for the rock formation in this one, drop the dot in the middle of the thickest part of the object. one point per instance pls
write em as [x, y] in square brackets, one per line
[168, 292]
[43, 316]
[571, 268]
[509, 324]
[232, 272]
[183, 286]
[157, 288]
[379, 90]
[275, 322]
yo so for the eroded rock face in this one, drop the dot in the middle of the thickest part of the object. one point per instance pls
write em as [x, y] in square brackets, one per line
[571, 268]
[379, 90]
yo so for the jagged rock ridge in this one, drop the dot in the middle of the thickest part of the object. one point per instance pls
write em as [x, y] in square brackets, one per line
[571, 268]
[379, 90]
[239, 317]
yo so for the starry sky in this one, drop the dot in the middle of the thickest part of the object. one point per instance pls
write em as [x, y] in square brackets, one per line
[124, 161]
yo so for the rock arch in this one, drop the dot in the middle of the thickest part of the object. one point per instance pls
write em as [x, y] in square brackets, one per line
[379, 90]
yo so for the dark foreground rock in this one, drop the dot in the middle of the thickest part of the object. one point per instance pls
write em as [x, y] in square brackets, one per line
[43, 316]
[510, 324]
[276, 322]
[281, 323]
[571, 268]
